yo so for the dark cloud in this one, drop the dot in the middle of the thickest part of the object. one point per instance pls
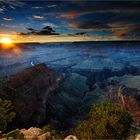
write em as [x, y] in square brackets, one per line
[120, 31]
[79, 33]
[90, 24]
[47, 30]
[121, 18]
[86, 7]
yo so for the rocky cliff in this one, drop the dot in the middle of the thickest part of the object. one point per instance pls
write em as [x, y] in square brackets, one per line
[126, 92]
[29, 91]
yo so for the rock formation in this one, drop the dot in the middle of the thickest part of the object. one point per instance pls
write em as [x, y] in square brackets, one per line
[34, 133]
[126, 92]
[71, 137]
[29, 90]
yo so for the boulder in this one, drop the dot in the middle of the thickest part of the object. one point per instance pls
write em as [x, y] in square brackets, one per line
[45, 136]
[137, 137]
[3, 138]
[71, 137]
[29, 91]
[31, 133]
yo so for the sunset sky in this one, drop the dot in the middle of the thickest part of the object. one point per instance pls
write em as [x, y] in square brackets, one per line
[70, 20]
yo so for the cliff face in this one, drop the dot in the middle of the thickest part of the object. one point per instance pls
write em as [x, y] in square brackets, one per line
[127, 94]
[29, 90]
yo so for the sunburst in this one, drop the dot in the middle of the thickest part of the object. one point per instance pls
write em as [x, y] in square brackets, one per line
[6, 41]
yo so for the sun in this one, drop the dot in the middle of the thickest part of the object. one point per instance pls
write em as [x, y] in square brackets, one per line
[6, 41]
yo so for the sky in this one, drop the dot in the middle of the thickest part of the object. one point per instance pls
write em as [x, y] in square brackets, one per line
[72, 20]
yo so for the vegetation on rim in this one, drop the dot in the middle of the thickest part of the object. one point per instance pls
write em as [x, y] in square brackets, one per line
[6, 113]
[105, 121]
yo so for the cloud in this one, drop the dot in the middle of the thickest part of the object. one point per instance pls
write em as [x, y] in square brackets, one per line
[7, 5]
[71, 15]
[50, 6]
[47, 30]
[80, 12]
[37, 7]
[83, 8]
[118, 29]
[8, 19]
[119, 18]
[50, 24]
[38, 17]
[1, 10]
[16, 3]
[79, 34]
[124, 31]
[7, 25]
[89, 25]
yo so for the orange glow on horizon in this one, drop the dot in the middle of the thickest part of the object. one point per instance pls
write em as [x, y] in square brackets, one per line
[7, 44]
[6, 40]
[9, 39]
[12, 50]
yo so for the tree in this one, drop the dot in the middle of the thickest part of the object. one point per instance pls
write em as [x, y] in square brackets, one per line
[6, 114]
[106, 121]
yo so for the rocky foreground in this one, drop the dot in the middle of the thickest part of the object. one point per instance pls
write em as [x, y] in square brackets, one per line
[29, 91]
[33, 133]
[33, 93]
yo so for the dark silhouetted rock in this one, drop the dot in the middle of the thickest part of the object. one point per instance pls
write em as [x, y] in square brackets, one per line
[29, 90]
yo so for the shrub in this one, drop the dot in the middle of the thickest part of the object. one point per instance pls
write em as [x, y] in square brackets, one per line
[6, 114]
[105, 121]
[15, 134]
[46, 128]
[53, 133]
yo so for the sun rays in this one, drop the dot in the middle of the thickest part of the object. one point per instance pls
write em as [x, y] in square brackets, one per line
[6, 41]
